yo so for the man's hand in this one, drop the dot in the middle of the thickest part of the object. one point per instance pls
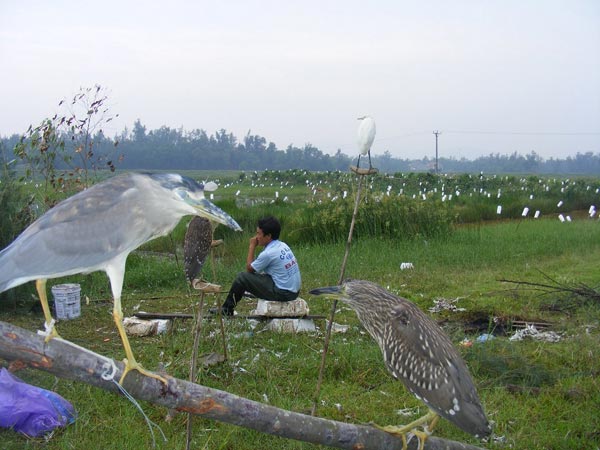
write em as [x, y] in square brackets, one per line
[251, 248]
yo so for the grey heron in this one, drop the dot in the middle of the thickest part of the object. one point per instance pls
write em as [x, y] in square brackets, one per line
[96, 229]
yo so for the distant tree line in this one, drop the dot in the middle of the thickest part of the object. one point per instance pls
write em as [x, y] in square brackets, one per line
[176, 149]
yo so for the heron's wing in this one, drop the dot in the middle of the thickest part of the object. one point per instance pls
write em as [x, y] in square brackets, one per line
[415, 347]
[197, 243]
[80, 234]
[425, 360]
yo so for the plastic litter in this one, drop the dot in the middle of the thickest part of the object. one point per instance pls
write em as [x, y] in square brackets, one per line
[532, 332]
[29, 409]
[337, 328]
[485, 337]
[446, 304]
[466, 342]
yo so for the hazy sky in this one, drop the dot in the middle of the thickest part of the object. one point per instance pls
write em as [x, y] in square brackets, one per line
[492, 76]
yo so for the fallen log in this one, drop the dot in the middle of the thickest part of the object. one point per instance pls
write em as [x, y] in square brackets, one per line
[67, 360]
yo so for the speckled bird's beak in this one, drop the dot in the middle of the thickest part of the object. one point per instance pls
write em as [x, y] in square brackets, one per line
[329, 291]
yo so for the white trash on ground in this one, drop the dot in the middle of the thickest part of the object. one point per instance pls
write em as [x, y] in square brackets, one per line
[530, 331]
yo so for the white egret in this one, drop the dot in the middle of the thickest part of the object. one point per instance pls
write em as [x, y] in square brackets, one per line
[366, 135]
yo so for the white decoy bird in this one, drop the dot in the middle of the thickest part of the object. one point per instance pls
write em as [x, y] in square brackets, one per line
[366, 136]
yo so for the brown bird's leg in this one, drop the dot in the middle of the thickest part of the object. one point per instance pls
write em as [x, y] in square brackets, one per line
[433, 423]
[40, 286]
[411, 427]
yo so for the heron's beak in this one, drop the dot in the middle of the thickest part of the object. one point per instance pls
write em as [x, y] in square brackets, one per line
[206, 208]
[330, 291]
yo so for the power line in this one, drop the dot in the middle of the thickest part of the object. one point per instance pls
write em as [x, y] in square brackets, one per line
[390, 139]
[528, 133]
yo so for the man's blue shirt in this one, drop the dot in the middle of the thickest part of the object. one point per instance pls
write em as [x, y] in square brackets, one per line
[278, 261]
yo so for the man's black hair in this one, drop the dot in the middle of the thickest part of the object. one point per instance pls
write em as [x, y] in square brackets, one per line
[270, 225]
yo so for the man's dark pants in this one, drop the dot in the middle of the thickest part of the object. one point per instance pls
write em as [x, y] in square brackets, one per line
[260, 285]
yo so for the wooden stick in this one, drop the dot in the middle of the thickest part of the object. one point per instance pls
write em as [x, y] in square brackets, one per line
[194, 363]
[147, 315]
[334, 304]
[222, 326]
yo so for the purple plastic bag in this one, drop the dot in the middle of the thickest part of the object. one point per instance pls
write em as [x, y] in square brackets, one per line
[29, 409]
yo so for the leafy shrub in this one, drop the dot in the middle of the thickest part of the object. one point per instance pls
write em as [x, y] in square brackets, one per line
[15, 207]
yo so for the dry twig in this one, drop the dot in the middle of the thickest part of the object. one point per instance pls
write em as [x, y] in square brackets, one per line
[554, 287]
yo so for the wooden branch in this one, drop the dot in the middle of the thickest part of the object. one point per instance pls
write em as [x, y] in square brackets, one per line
[313, 410]
[149, 315]
[67, 360]
[359, 171]
[580, 289]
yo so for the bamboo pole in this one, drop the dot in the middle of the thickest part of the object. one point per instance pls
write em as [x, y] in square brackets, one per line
[334, 304]
[194, 364]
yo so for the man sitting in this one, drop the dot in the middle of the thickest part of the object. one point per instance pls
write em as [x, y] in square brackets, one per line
[274, 274]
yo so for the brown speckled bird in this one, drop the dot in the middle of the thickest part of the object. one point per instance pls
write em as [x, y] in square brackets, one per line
[196, 246]
[417, 352]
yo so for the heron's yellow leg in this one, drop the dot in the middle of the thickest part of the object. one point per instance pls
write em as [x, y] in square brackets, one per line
[40, 286]
[130, 362]
[411, 427]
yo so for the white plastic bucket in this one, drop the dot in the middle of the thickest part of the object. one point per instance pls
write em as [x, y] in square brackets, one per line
[67, 301]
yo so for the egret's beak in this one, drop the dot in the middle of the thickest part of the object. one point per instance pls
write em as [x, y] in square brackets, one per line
[205, 208]
[329, 291]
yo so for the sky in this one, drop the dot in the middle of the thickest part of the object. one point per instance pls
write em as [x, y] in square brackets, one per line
[490, 76]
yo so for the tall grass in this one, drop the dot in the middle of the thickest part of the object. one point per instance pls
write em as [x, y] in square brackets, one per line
[517, 380]
[540, 395]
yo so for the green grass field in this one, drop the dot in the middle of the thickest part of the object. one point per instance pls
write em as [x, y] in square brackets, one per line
[539, 395]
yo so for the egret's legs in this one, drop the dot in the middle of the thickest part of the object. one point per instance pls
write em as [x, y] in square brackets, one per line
[40, 286]
[430, 418]
[358, 161]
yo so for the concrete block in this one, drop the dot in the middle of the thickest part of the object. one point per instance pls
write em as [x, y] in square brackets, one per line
[295, 308]
[139, 327]
[291, 325]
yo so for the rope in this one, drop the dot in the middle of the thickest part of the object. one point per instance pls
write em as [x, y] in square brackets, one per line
[48, 327]
[148, 421]
[110, 370]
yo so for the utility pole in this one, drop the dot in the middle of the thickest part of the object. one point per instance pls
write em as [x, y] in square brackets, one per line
[436, 132]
